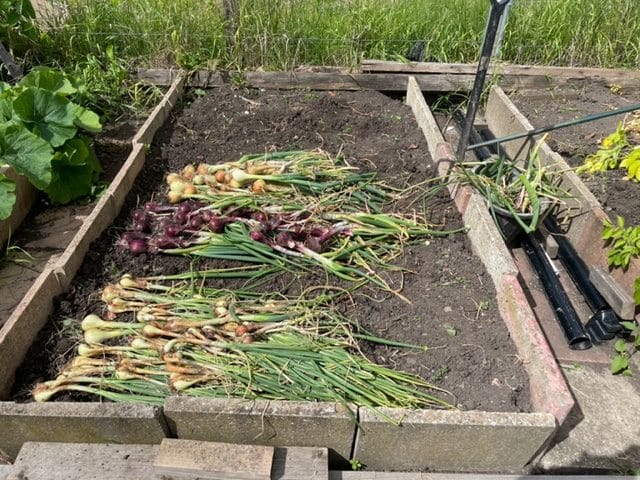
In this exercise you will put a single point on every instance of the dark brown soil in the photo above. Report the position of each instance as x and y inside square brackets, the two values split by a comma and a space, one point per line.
[453, 308]
[547, 107]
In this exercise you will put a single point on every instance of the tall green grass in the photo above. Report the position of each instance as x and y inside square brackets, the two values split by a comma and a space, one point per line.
[281, 34]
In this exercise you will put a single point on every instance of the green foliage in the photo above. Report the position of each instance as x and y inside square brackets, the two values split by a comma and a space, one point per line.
[610, 153]
[104, 86]
[282, 34]
[528, 189]
[616, 151]
[625, 349]
[39, 138]
[632, 163]
[7, 191]
[17, 28]
[624, 242]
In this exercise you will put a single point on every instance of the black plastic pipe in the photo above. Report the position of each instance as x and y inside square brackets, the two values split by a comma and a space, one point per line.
[604, 324]
[574, 332]
[576, 267]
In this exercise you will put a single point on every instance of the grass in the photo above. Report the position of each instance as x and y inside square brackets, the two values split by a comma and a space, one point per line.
[281, 34]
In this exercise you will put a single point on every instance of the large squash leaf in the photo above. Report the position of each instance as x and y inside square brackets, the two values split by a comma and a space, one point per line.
[46, 114]
[27, 153]
[48, 79]
[7, 196]
[87, 120]
[75, 169]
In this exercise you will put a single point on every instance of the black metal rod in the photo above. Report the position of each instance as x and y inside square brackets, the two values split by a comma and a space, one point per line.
[556, 126]
[568, 320]
[493, 24]
[483, 153]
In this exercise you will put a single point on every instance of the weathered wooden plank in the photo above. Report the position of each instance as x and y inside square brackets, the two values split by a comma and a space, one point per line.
[356, 81]
[608, 287]
[215, 460]
[611, 75]
[165, 77]
[300, 463]
[335, 79]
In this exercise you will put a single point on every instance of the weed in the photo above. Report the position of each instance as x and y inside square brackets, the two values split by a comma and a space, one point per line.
[440, 373]
[624, 243]
[281, 34]
[625, 349]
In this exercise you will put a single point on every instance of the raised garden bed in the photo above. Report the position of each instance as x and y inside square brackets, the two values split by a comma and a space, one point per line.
[585, 212]
[491, 380]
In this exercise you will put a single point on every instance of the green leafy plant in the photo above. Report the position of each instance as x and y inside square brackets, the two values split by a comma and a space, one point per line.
[609, 154]
[626, 348]
[17, 27]
[624, 243]
[632, 163]
[617, 151]
[40, 138]
[106, 88]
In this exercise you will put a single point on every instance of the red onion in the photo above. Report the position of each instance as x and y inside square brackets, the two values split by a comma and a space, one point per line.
[138, 246]
[283, 239]
[256, 236]
[217, 224]
[172, 230]
[196, 222]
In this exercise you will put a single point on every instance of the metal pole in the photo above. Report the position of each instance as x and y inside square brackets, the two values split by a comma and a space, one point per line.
[556, 126]
[501, 29]
[497, 8]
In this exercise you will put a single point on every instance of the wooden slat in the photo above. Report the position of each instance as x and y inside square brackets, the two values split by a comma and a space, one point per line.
[629, 78]
[355, 81]
[165, 77]
[338, 80]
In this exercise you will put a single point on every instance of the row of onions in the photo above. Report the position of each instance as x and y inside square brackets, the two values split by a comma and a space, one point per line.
[306, 211]
[277, 212]
[219, 343]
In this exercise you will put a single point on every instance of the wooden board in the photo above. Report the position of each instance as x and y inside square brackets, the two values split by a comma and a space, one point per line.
[339, 80]
[513, 74]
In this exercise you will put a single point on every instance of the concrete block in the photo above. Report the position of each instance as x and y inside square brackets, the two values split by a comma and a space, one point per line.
[193, 458]
[161, 112]
[23, 325]
[123, 182]
[262, 422]
[547, 386]
[487, 241]
[81, 461]
[79, 422]
[450, 440]
[300, 463]
[67, 265]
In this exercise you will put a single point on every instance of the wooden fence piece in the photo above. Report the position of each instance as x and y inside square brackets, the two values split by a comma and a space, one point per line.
[511, 73]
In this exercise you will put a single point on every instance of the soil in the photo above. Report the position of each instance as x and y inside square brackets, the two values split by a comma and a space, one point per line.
[453, 308]
[548, 106]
